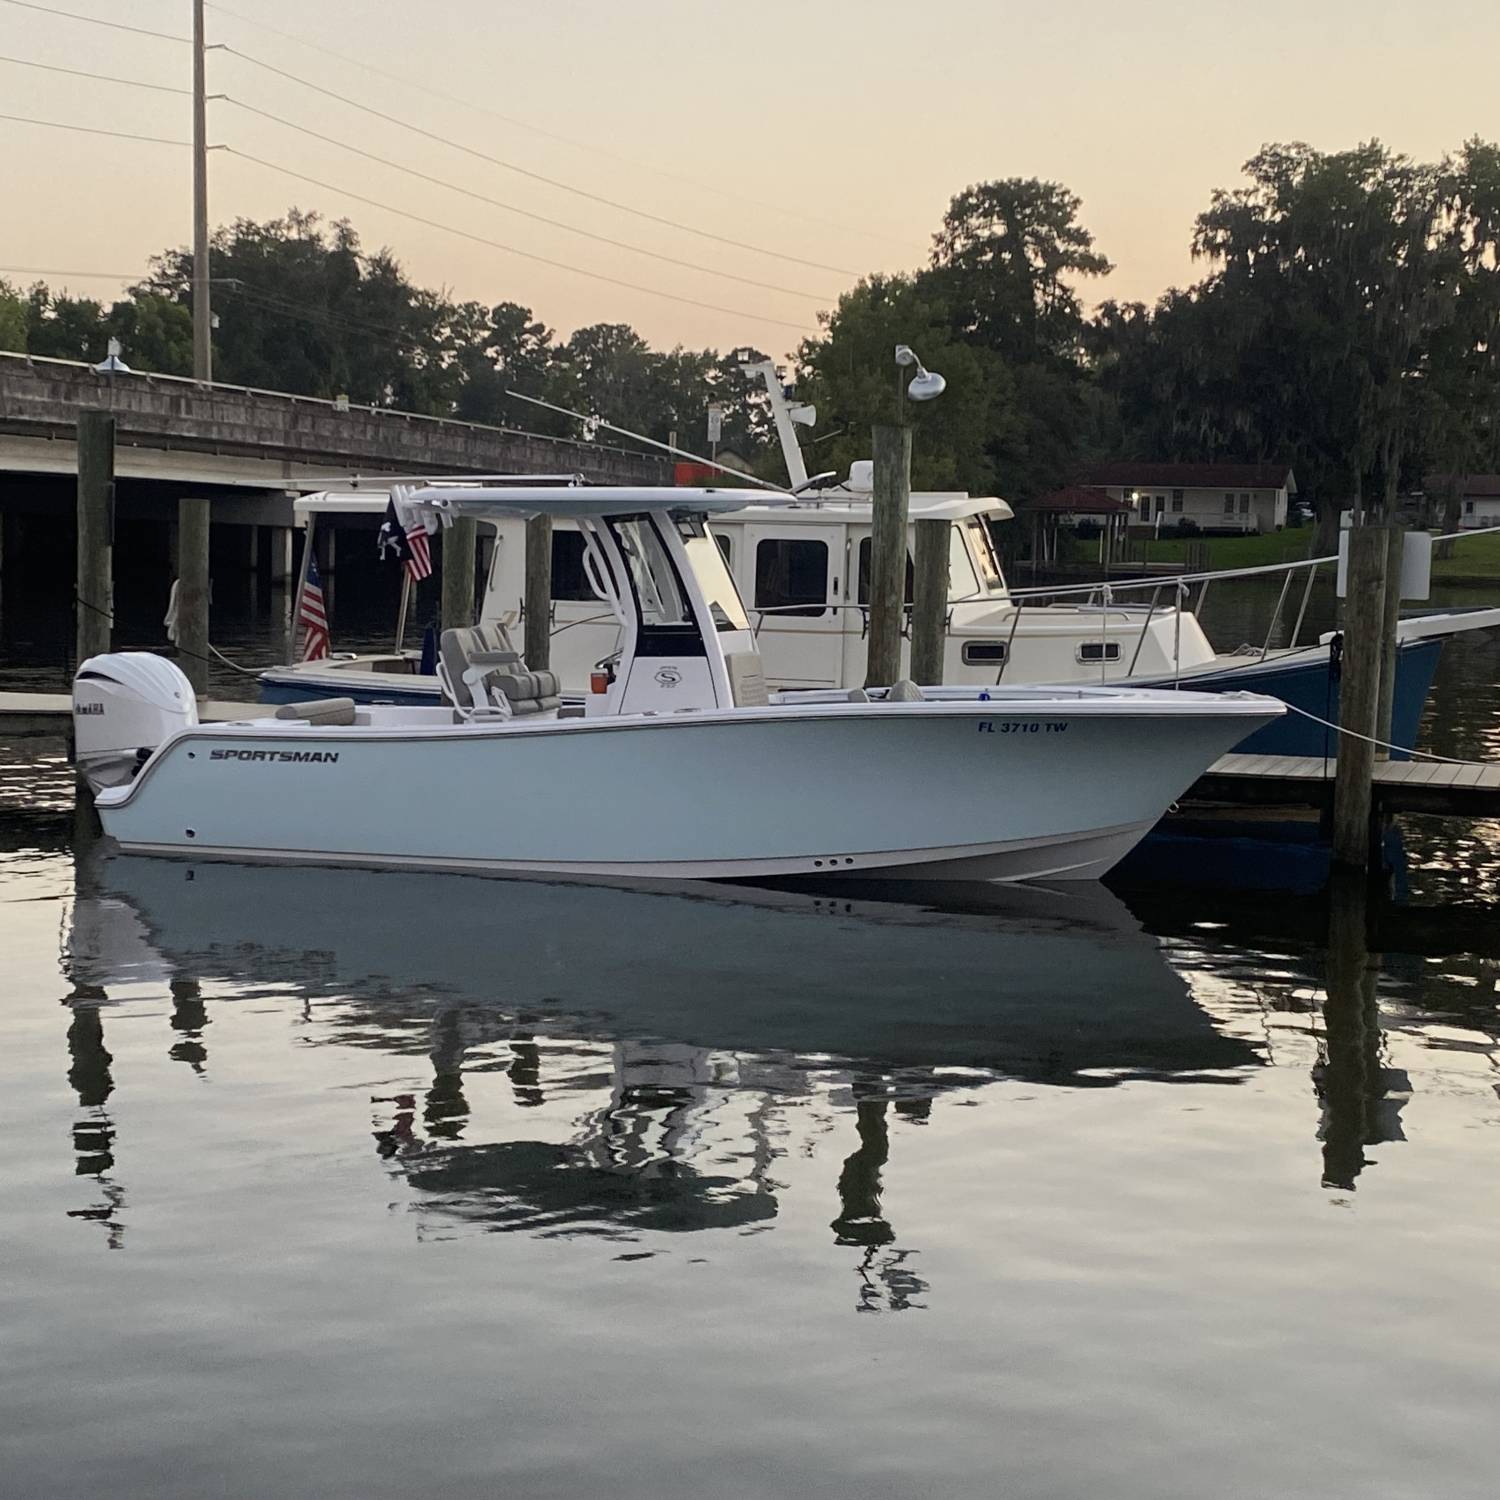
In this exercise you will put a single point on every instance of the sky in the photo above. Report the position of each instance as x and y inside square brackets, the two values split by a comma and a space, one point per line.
[826, 137]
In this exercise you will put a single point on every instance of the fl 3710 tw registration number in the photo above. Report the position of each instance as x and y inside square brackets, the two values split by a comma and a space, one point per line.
[1023, 726]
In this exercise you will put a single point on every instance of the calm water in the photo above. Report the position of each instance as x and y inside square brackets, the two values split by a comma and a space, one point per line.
[347, 1184]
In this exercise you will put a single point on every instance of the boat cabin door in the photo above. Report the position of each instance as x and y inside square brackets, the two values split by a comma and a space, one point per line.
[797, 582]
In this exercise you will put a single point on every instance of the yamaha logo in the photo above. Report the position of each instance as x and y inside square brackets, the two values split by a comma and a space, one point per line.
[668, 677]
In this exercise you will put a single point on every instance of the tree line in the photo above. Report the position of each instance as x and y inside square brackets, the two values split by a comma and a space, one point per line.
[1347, 323]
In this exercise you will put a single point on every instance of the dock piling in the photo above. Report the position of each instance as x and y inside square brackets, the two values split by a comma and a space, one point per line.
[96, 527]
[891, 500]
[538, 602]
[929, 607]
[459, 544]
[1359, 694]
[192, 591]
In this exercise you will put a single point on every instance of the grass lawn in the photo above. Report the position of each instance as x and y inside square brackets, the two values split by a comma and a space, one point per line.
[1473, 557]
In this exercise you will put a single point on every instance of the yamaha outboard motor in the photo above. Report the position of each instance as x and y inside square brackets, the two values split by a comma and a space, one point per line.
[124, 706]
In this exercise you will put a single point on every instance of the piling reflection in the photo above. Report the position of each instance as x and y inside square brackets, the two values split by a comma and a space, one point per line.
[1352, 1083]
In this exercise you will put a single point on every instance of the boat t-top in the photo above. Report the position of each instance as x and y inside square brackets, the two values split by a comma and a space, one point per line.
[678, 763]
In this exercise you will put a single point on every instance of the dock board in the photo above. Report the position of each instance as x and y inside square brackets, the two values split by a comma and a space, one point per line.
[1414, 786]
[29, 715]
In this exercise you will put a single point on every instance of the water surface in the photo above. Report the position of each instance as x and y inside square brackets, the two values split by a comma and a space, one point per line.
[344, 1184]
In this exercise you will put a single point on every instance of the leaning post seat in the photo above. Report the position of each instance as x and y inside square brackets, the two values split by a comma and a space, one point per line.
[319, 711]
[478, 678]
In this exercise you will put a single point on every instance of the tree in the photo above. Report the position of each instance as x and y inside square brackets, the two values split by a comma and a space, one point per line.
[1006, 256]
[12, 319]
[850, 374]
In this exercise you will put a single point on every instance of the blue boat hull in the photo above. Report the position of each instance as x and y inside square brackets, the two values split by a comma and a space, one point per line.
[1311, 686]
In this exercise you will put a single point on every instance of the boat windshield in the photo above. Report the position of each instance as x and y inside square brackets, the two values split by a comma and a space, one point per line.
[713, 576]
[651, 572]
[983, 548]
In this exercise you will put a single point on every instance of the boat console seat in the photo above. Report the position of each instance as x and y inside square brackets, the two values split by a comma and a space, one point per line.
[482, 675]
[332, 711]
[747, 679]
[905, 691]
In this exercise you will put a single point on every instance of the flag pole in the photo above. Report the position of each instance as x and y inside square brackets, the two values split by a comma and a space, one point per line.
[405, 606]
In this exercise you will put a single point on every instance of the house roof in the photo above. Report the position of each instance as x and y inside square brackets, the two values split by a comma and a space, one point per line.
[1079, 500]
[1470, 486]
[1193, 476]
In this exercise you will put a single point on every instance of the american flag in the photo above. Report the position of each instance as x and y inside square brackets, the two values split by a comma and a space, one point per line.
[313, 615]
[407, 541]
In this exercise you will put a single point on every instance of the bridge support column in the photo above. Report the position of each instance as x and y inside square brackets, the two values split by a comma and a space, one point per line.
[279, 556]
[192, 591]
[96, 533]
[252, 550]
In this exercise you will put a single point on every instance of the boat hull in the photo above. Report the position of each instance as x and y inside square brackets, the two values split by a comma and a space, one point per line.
[955, 791]
[1308, 683]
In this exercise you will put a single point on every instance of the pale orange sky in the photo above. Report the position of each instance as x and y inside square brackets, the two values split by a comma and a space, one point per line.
[858, 120]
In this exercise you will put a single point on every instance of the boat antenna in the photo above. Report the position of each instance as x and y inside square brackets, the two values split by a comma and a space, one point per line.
[591, 424]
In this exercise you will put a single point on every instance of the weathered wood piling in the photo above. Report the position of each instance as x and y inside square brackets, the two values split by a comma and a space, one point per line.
[538, 602]
[1359, 693]
[95, 603]
[459, 545]
[929, 608]
[192, 591]
[890, 504]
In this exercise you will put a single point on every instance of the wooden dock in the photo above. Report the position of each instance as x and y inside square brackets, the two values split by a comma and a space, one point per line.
[50, 715]
[1401, 786]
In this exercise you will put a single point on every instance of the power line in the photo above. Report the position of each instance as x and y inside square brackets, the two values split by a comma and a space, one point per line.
[480, 239]
[567, 140]
[526, 213]
[508, 166]
[119, 135]
[135, 83]
[79, 275]
[73, 15]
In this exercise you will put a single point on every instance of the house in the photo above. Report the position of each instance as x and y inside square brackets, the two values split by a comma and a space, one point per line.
[1479, 498]
[1213, 497]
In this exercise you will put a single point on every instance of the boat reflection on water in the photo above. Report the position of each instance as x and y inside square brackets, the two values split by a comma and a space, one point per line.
[590, 1059]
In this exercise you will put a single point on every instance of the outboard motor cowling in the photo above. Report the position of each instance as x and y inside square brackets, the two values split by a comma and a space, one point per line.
[125, 704]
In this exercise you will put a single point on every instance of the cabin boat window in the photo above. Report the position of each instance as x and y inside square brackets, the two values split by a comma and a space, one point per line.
[652, 575]
[1097, 651]
[864, 573]
[984, 551]
[791, 576]
[963, 582]
[710, 565]
[725, 547]
[569, 581]
[985, 653]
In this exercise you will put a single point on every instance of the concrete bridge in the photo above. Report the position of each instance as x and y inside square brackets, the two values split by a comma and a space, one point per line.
[246, 451]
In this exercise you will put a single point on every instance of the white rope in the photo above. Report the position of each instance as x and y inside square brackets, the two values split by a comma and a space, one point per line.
[1446, 760]
[234, 665]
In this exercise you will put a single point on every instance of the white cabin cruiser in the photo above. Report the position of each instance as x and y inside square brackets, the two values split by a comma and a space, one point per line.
[679, 764]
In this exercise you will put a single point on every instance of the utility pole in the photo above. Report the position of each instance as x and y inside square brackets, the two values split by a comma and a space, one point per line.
[203, 356]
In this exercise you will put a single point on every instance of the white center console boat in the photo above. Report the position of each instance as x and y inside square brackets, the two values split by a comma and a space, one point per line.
[679, 763]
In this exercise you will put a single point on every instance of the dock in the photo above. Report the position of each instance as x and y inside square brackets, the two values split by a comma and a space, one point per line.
[50, 715]
[1400, 786]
